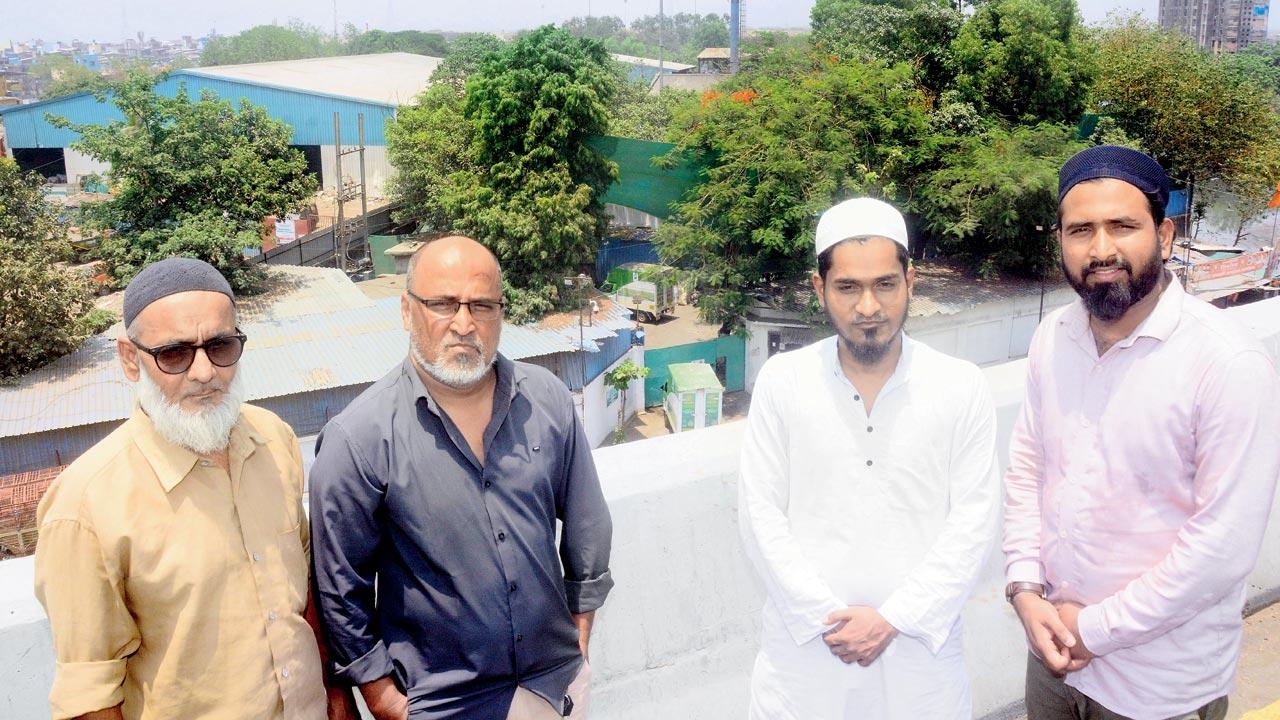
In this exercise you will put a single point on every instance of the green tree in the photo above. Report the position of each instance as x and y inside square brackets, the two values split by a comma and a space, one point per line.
[263, 43]
[381, 41]
[63, 76]
[1192, 111]
[596, 27]
[994, 200]
[919, 33]
[781, 151]
[1025, 60]
[522, 179]
[175, 159]
[620, 379]
[45, 309]
[1259, 63]
[429, 143]
[642, 116]
[466, 52]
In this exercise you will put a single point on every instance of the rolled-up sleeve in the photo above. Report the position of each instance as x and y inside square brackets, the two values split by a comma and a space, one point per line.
[587, 535]
[345, 499]
[93, 631]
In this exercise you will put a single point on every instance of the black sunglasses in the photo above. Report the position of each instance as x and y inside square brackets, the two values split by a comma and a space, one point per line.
[177, 358]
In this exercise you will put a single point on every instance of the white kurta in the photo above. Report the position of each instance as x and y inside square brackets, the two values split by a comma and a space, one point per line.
[895, 510]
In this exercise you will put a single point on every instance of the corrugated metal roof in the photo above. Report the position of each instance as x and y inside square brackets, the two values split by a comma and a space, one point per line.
[388, 78]
[650, 62]
[301, 338]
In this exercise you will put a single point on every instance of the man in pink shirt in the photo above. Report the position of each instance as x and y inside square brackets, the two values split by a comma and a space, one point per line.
[1142, 468]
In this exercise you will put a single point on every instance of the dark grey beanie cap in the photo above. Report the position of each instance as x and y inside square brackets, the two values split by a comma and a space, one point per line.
[169, 277]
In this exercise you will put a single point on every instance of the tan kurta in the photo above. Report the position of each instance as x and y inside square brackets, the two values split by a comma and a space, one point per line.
[175, 587]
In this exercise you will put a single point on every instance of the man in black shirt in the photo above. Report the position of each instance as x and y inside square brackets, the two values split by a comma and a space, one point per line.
[434, 501]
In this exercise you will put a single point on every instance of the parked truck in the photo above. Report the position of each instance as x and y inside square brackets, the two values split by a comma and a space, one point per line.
[644, 288]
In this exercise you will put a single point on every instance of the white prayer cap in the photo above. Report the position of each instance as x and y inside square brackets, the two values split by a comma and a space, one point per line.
[860, 217]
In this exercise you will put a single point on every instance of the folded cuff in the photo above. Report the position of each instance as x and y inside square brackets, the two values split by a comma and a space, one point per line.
[82, 687]
[587, 595]
[368, 667]
[1093, 631]
[1025, 571]
[905, 622]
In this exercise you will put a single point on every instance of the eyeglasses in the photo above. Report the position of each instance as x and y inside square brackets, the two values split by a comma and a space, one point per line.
[177, 358]
[448, 307]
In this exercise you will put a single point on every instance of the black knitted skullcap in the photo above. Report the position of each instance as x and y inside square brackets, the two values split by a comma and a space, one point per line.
[1121, 163]
[169, 277]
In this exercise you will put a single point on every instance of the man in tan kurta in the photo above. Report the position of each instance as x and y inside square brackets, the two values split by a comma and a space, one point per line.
[173, 555]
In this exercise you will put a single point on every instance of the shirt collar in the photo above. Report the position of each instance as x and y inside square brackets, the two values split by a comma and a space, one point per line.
[170, 462]
[1159, 325]
[901, 373]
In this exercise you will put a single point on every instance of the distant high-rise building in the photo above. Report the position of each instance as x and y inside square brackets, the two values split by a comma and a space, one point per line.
[1217, 25]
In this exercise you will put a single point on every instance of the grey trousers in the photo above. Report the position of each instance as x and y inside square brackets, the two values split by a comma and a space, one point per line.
[1049, 698]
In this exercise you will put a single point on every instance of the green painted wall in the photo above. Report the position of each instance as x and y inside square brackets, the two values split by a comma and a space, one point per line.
[731, 347]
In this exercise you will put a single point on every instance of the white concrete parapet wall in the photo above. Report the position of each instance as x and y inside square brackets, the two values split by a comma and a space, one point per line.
[678, 635]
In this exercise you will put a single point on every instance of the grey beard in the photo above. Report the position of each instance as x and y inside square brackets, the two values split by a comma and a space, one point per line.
[458, 376]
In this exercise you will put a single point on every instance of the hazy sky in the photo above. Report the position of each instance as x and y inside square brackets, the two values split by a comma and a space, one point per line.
[109, 20]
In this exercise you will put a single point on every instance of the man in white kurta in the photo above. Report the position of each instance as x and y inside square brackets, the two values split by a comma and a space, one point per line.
[866, 508]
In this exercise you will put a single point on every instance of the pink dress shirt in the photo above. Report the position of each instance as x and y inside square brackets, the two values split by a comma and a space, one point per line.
[1139, 485]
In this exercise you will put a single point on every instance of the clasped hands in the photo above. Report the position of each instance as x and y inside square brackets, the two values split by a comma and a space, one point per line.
[860, 634]
[1053, 632]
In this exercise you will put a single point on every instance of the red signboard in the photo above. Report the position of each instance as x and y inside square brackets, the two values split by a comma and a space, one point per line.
[1238, 265]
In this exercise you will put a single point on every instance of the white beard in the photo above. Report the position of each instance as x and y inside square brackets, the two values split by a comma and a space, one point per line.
[459, 374]
[202, 433]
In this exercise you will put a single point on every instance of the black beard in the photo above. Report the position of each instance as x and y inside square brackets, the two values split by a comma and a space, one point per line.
[1110, 301]
[867, 351]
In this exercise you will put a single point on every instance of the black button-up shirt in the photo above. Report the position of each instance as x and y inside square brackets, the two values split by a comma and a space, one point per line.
[443, 571]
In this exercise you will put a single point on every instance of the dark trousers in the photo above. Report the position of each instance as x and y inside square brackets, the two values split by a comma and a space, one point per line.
[1050, 698]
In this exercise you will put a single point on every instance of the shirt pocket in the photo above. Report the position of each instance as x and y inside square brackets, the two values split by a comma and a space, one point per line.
[296, 567]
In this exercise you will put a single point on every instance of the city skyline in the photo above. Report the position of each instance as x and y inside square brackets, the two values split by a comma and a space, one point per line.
[69, 20]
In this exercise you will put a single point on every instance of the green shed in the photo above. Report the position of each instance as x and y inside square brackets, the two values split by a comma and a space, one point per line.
[694, 396]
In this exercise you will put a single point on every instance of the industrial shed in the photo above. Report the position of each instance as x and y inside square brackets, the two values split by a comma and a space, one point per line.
[303, 93]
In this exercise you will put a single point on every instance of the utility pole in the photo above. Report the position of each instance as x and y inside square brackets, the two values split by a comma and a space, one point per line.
[661, 66]
[735, 28]
[342, 192]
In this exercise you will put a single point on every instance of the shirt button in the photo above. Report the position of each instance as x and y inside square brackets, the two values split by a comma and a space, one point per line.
[519, 638]
[271, 616]
[868, 428]
[1062, 534]
[204, 463]
[284, 673]
[868, 463]
[502, 537]
[857, 397]
[487, 483]
[513, 587]
[257, 557]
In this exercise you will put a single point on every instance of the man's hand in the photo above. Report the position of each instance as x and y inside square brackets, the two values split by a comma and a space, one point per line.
[1069, 613]
[342, 706]
[583, 621]
[385, 700]
[860, 634]
[1048, 638]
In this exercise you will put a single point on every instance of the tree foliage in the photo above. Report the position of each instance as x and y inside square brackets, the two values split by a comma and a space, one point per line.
[994, 200]
[264, 43]
[176, 160]
[1026, 61]
[63, 76]
[417, 42]
[681, 36]
[620, 379]
[782, 150]
[505, 160]
[466, 52]
[45, 310]
[642, 116]
[919, 33]
[1192, 111]
[1259, 63]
